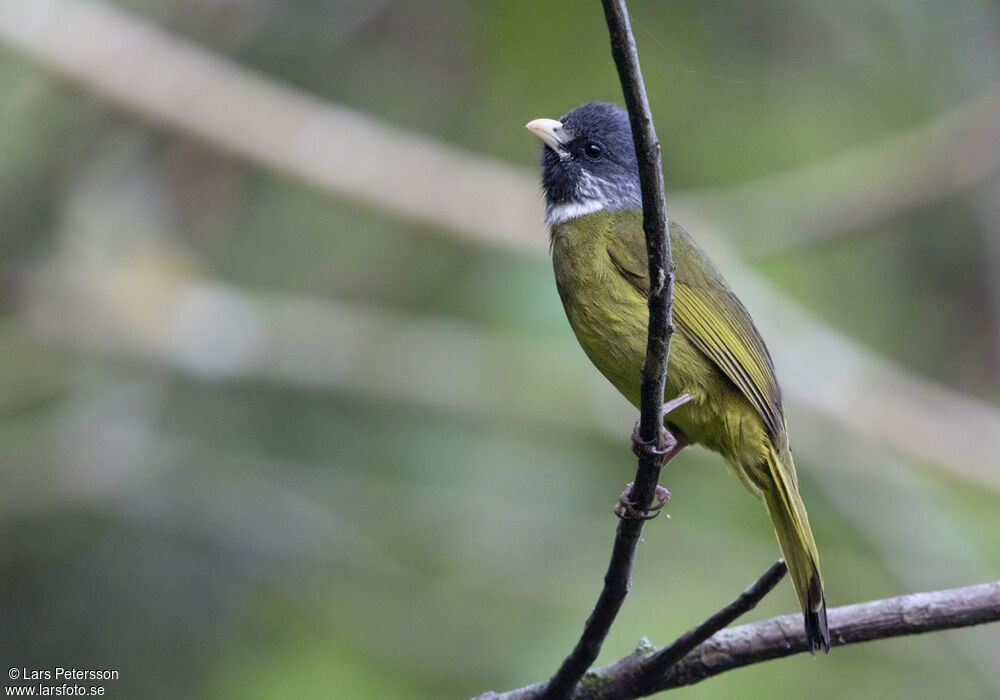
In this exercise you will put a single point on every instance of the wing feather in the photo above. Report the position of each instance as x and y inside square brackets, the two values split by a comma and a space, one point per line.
[707, 312]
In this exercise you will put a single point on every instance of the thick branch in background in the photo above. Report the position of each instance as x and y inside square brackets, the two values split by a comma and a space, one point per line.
[181, 85]
[859, 188]
[654, 370]
[783, 636]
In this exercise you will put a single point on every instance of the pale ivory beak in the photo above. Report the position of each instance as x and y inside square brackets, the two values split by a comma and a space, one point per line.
[550, 132]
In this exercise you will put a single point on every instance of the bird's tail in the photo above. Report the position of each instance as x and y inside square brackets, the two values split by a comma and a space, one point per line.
[791, 524]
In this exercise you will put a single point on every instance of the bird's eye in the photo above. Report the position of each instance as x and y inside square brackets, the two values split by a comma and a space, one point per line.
[593, 151]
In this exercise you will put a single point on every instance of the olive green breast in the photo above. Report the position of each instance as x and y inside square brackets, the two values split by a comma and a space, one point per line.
[609, 316]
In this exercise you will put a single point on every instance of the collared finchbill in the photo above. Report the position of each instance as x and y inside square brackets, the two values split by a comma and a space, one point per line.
[550, 132]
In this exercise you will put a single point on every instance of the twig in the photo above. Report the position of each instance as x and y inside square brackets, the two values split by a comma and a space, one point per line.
[640, 680]
[782, 636]
[661, 661]
[654, 371]
[654, 224]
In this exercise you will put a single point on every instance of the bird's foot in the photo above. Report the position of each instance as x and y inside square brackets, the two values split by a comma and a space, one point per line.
[625, 509]
[670, 444]
[650, 448]
[660, 455]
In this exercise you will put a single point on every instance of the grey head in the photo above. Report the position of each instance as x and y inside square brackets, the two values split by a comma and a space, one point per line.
[588, 162]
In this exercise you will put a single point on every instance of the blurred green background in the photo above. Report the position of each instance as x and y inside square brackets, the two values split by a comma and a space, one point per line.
[262, 437]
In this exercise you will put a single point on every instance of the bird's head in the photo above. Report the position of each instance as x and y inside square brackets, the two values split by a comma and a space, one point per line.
[588, 162]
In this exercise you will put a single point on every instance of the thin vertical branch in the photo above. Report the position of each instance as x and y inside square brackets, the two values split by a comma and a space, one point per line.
[651, 435]
[654, 224]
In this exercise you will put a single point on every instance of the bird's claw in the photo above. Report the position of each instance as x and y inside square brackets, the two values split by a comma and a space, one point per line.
[625, 510]
[649, 448]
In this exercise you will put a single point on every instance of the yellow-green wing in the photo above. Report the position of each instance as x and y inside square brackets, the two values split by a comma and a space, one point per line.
[706, 311]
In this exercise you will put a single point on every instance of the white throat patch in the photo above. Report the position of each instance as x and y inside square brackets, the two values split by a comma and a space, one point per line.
[590, 190]
[594, 194]
[561, 213]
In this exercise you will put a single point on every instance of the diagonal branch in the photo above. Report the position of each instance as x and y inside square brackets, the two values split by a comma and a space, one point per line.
[651, 434]
[782, 636]
[658, 663]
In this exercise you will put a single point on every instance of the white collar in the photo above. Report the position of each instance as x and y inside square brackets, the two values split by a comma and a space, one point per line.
[561, 213]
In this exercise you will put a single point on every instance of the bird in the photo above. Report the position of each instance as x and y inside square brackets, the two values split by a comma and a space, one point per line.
[593, 209]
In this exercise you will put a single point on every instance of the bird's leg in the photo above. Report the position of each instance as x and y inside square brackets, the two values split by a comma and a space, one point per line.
[624, 508]
[675, 402]
[671, 446]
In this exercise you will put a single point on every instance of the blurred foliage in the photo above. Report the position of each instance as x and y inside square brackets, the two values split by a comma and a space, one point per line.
[243, 537]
